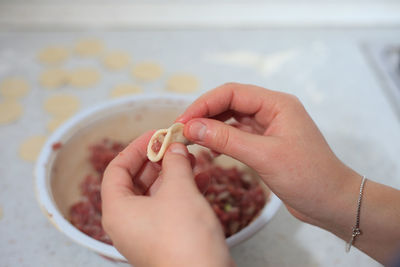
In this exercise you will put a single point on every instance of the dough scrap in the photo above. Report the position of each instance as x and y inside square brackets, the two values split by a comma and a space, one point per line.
[30, 148]
[116, 60]
[183, 83]
[84, 77]
[53, 78]
[171, 135]
[89, 47]
[10, 111]
[53, 55]
[124, 90]
[14, 87]
[147, 71]
[56, 122]
[62, 105]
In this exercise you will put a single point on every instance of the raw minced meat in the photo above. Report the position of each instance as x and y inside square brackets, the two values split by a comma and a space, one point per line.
[236, 196]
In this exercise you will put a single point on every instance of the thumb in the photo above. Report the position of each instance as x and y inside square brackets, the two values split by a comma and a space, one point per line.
[177, 172]
[248, 148]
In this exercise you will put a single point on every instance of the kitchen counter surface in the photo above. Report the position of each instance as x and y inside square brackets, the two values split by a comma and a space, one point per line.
[327, 69]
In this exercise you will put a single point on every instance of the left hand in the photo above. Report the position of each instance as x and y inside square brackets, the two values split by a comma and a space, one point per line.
[171, 226]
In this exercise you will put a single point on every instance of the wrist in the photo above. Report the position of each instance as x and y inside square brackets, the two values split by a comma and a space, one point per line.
[206, 249]
[337, 212]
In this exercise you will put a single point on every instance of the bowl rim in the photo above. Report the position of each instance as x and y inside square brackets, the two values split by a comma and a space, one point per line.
[49, 207]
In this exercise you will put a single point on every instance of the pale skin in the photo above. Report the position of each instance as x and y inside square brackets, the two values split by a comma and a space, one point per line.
[275, 136]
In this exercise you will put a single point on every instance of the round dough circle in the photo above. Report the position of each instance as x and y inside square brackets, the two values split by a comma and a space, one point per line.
[61, 105]
[14, 87]
[53, 78]
[147, 71]
[30, 148]
[84, 77]
[89, 47]
[56, 122]
[124, 90]
[183, 83]
[53, 55]
[10, 111]
[116, 60]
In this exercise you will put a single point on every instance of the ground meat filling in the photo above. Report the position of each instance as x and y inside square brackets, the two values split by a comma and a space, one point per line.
[156, 146]
[86, 214]
[235, 196]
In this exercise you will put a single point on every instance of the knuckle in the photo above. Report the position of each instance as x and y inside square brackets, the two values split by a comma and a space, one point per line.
[229, 84]
[291, 100]
[222, 139]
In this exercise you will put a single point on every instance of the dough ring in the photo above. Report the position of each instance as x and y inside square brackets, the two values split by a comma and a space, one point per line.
[162, 138]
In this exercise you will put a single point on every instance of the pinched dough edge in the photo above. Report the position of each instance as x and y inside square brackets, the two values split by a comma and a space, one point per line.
[173, 134]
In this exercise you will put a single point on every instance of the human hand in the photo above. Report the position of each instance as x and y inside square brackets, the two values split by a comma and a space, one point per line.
[275, 136]
[171, 226]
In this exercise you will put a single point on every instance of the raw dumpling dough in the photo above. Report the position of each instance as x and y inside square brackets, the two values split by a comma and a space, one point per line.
[183, 83]
[53, 55]
[10, 111]
[116, 60]
[89, 47]
[61, 105]
[14, 87]
[30, 148]
[147, 71]
[165, 136]
[53, 78]
[84, 77]
[124, 90]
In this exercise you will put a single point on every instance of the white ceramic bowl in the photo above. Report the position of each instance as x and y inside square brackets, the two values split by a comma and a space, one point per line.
[58, 173]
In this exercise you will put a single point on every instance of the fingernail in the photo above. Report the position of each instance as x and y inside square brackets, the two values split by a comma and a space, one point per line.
[178, 149]
[197, 130]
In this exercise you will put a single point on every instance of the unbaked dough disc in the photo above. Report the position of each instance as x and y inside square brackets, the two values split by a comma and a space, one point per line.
[1, 213]
[84, 77]
[10, 111]
[53, 55]
[53, 78]
[30, 148]
[14, 87]
[124, 90]
[147, 71]
[116, 60]
[56, 122]
[89, 47]
[61, 105]
[183, 83]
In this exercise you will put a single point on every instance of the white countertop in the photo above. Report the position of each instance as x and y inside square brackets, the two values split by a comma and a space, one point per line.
[325, 68]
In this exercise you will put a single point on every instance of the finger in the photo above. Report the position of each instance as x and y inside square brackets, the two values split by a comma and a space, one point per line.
[177, 172]
[192, 159]
[117, 179]
[250, 122]
[224, 116]
[246, 99]
[155, 186]
[248, 148]
[146, 176]
[243, 127]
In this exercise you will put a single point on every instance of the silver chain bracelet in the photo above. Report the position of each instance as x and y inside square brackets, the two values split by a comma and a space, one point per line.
[356, 229]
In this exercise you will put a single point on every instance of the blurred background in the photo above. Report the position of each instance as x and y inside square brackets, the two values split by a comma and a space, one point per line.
[341, 58]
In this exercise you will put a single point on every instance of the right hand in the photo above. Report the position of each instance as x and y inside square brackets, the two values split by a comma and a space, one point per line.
[274, 135]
